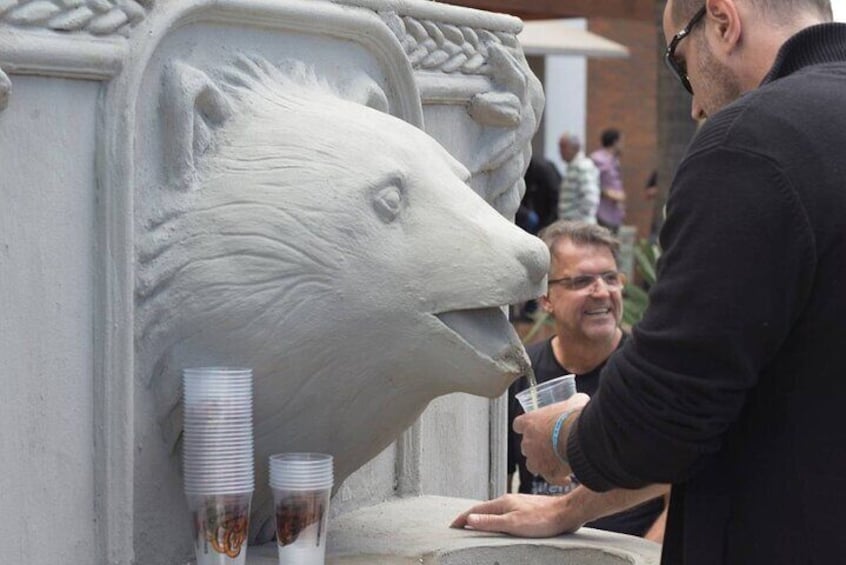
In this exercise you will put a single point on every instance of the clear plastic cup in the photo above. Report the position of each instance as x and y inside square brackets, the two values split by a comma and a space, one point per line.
[216, 393]
[218, 472]
[226, 401]
[222, 470]
[222, 397]
[218, 444]
[206, 372]
[221, 416]
[302, 485]
[245, 477]
[217, 454]
[548, 392]
[221, 527]
[211, 436]
[220, 487]
[230, 425]
[211, 386]
[220, 484]
[219, 441]
[220, 454]
[213, 453]
[222, 424]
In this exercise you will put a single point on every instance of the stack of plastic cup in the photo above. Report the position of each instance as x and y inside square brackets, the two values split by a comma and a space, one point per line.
[217, 457]
[302, 484]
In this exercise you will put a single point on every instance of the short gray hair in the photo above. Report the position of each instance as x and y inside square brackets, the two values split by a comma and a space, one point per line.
[580, 233]
[572, 139]
[781, 11]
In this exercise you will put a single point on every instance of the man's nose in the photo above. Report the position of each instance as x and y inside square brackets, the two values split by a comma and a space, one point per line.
[600, 287]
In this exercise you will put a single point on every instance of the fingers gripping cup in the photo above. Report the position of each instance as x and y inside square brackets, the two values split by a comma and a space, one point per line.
[217, 461]
[302, 484]
[548, 392]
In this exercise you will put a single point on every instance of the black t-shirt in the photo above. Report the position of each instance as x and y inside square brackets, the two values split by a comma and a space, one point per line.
[635, 521]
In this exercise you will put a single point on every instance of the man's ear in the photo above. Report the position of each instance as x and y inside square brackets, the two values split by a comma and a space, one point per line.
[544, 303]
[727, 24]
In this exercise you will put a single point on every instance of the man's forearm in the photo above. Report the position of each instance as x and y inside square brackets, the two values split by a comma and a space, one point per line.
[583, 505]
[614, 194]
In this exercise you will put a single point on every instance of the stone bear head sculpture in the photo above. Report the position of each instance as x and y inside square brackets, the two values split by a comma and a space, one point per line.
[331, 247]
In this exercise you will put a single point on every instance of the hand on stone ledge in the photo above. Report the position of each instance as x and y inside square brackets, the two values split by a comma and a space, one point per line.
[523, 515]
[540, 516]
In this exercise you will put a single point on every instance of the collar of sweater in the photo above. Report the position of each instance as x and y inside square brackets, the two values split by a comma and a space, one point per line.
[822, 43]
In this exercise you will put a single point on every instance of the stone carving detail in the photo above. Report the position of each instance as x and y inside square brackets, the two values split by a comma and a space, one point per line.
[511, 111]
[292, 237]
[97, 17]
[444, 47]
[5, 90]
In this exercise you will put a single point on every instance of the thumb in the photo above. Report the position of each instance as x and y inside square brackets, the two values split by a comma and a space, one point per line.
[488, 522]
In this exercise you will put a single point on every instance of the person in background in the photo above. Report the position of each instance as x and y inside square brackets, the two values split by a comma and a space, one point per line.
[652, 193]
[585, 300]
[731, 386]
[612, 198]
[538, 208]
[578, 197]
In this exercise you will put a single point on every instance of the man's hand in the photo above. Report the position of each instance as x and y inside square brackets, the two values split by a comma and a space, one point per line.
[523, 515]
[540, 516]
[536, 428]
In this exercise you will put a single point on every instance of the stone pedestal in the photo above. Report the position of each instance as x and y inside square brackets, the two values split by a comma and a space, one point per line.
[416, 530]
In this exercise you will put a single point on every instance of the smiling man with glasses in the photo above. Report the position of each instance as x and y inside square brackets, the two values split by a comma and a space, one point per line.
[585, 301]
[732, 388]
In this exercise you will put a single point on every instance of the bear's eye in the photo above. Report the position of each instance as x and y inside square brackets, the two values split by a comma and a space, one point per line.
[388, 202]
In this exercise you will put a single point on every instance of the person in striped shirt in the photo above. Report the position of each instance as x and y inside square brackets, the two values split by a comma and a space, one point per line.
[578, 196]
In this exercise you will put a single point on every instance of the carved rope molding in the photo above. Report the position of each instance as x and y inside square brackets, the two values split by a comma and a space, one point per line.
[443, 47]
[97, 17]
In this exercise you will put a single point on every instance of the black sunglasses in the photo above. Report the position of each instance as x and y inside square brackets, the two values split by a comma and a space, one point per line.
[670, 54]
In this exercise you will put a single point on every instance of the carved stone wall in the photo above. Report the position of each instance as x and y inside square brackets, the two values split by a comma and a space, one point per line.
[125, 140]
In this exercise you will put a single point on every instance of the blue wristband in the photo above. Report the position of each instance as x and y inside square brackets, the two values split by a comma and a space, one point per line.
[556, 431]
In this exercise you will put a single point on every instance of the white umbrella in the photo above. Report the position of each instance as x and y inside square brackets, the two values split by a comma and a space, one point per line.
[559, 37]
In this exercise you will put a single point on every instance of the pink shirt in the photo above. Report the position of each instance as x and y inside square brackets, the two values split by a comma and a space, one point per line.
[610, 212]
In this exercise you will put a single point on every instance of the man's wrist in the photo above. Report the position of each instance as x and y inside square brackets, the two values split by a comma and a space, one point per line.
[562, 430]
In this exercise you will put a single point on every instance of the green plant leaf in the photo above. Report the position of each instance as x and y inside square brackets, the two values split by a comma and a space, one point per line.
[542, 319]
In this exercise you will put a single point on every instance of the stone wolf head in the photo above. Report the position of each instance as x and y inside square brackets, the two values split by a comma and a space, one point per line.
[331, 247]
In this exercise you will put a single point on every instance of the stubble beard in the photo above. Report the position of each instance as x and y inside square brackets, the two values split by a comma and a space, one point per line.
[721, 87]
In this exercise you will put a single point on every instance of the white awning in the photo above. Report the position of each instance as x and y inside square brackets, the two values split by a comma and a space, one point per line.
[559, 37]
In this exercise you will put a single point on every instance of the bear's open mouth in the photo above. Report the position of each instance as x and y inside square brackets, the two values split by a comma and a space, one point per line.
[489, 333]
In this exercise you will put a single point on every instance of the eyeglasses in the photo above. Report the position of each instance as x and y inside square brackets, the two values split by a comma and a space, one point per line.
[612, 280]
[677, 68]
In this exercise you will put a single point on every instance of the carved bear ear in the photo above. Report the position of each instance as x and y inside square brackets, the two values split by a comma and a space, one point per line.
[366, 91]
[192, 105]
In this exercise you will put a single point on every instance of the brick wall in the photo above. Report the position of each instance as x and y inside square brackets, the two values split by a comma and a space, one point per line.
[622, 93]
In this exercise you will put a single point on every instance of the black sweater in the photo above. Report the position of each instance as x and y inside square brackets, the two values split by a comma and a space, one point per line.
[733, 387]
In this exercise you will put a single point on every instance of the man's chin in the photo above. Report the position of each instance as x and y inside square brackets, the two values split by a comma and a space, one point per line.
[600, 332]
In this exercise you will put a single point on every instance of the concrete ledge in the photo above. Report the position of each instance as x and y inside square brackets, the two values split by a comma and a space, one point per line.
[416, 531]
